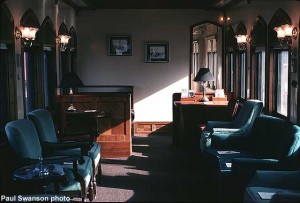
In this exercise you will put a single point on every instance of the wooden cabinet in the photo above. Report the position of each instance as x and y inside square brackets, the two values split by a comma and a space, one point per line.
[188, 114]
[114, 128]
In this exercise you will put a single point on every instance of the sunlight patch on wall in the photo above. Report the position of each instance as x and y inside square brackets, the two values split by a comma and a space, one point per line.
[158, 106]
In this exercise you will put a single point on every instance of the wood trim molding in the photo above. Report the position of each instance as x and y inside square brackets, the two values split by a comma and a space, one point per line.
[150, 127]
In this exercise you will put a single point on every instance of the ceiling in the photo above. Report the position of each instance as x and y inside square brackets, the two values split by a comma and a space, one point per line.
[150, 4]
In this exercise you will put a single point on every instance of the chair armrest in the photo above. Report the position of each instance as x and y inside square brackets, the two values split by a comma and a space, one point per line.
[81, 133]
[91, 134]
[53, 160]
[61, 159]
[286, 197]
[284, 179]
[217, 124]
[253, 164]
[228, 140]
[226, 130]
[244, 168]
[50, 146]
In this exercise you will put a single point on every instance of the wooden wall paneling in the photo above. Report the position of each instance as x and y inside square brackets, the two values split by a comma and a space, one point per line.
[114, 129]
[146, 128]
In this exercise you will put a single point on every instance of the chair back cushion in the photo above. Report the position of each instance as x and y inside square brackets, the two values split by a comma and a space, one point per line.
[44, 125]
[275, 138]
[247, 115]
[23, 138]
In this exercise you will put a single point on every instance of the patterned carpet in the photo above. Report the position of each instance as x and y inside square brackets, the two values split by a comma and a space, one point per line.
[157, 171]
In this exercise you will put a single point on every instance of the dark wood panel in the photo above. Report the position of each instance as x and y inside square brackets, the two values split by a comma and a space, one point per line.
[114, 128]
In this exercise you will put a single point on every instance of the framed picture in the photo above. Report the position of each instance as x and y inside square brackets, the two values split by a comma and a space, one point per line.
[157, 52]
[119, 45]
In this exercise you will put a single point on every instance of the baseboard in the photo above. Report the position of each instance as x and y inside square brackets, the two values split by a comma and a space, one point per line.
[150, 127]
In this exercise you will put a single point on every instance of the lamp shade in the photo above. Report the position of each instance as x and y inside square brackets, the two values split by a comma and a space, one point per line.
[203, 75]
[70, 79]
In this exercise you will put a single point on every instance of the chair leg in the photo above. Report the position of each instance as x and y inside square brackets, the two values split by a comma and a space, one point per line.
[91, 192]
[99, 174]
[95, 189]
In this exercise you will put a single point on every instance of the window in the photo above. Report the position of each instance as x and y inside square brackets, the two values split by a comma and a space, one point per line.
[47, 66]
[282, 82]
[212, 61]
[242, 76]
[260, 75]
[32, 86]
[4, 114]
[230, 58]
[29, 83]
[195, 57]
[49, 78]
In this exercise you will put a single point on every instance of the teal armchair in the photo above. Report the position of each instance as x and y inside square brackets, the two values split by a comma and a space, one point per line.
[23, 138]
[47, 133]
[220, 134]
[273, 144]
[283, 186]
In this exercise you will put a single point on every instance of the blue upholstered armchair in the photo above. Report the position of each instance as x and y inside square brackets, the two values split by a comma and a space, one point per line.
[220, 134]
[24, 140]
[281, 186]
[43, 122]
[273, 144]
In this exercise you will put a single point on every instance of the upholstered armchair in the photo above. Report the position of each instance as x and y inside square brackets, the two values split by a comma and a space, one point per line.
[231, 112]
[279, 186]
[24, 140]
[219, 134]
[43, 122]
[273, 144]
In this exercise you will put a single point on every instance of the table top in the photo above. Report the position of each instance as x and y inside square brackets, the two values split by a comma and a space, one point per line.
[209, 103]
[87, 113]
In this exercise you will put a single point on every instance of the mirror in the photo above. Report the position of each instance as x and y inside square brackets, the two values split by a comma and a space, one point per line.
[207, 52]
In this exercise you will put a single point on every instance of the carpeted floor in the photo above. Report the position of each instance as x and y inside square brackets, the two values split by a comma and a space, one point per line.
[157, 171]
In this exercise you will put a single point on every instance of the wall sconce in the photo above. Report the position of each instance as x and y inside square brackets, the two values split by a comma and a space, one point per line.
[27, 34]
[242, 41]
[285, 34]
[63, 40]
[222, 18]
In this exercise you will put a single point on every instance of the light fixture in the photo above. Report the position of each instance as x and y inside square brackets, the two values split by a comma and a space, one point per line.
[71, 80]
[285, 34]
[204, 75]
[63, 40]
[222, 18]
[242, 41]
[27, 34]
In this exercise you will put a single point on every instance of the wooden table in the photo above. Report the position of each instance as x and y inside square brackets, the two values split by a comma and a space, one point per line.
[188, 115]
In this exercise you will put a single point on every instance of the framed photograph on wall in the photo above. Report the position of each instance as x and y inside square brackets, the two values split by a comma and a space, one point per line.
[119, 45]
[157, 52]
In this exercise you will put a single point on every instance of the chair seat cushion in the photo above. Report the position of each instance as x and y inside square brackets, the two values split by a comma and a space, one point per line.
[85, 170]
[72, 186]
[251, 193]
